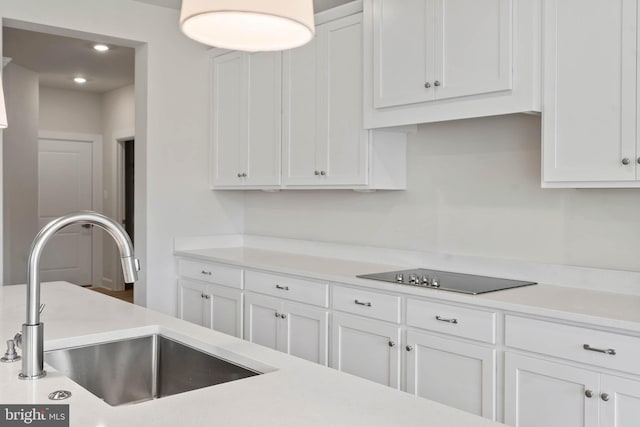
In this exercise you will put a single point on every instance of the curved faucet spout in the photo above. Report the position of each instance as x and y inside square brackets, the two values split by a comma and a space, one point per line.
[32, 361]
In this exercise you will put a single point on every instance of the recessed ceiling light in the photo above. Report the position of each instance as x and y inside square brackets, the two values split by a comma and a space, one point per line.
[101, 47]
[80, 80]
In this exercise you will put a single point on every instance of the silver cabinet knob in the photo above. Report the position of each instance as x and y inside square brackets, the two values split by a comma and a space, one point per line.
[605, 397]
[323, 173]
[427, 85]
[239, 175]
[392, 343]
[436, 83]
[283, 316]
[409, 347]
[316, 173]
[639, 160]
[588, 393]
[625, 161]
[207, 296]
[277, 314]
[205, 272]
[244, 175]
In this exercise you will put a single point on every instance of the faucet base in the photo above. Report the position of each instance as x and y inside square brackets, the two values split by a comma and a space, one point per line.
[32, 352]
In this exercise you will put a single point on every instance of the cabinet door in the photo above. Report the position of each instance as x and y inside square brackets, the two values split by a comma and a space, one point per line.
[192, 305]
[622, 409]
[225, 310]
[261, 320]
[540, 393]
[229, 122]
[300, 121]
[366, 348]
[343, 142]
[403, 51]
[264, 119]
[305, 331]
[589, 100]
[473, 51]
[452, 372]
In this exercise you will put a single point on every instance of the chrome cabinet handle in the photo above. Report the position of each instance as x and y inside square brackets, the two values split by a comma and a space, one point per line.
[284, 288]
[605, 397]
[588, 393]
[625, 161]
[316, 173]
[366, 304]
[244, 175]
[323, 173]
[277, 314]
[392, 343]
[610, 351]
[442, 319]
[427, 85]
[208, 273]
[409, 347]
[239, 175]
[436, 83]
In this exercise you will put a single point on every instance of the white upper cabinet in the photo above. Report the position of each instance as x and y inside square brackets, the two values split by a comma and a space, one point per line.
[443, 51]
[246, 131]
[590, 90]
[435, 60]
[324, 142]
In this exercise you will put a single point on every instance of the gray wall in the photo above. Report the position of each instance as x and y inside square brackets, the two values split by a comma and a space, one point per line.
[473, 189]
[20, 171]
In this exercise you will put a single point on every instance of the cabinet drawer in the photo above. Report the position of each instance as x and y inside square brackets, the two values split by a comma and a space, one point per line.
[212, 273]
[295, 289]
[459, 321]
[618, 351]
[365, 303]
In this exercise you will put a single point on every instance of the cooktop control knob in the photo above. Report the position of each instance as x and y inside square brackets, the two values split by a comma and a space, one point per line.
[435, 283]
[399, 277]
[413, 279]
[425, 281]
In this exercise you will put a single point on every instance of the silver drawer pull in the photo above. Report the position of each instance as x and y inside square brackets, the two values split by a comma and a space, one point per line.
[366, 304]
[442, 319]
[208, 273]
[284, 288]
[600, 350]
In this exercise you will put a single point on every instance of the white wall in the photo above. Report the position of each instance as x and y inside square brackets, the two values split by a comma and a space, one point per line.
[473, 189]
[118, 122]
[20, 171]
[70, 111]
[173, 198]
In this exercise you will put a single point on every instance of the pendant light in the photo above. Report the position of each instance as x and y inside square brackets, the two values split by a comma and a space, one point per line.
[249, 25]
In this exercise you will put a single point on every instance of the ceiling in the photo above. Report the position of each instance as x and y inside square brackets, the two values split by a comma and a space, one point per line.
[318, 5]
[59, 59]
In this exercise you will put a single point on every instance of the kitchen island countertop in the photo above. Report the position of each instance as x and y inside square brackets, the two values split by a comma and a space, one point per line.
[297, 393]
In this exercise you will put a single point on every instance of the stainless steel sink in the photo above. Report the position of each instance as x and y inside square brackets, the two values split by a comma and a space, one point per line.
[143, 368]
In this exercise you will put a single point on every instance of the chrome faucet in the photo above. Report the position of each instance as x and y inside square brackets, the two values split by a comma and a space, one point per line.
[32, 331]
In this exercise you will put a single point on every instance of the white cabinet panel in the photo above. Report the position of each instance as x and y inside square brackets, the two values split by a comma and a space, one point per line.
[366, 348]
[452, 372]
[622, 407]
[192, 305]
[589, 121]
[473, 52]
[296, 329]
[540, 393]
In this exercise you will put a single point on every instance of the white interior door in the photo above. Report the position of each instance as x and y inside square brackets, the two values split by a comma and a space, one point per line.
[65, 184]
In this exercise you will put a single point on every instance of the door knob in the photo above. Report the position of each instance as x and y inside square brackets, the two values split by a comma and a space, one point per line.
[436, 83]
[409, 348]
[625, 161]
[588, 393]
[605, 397]
[427, 85]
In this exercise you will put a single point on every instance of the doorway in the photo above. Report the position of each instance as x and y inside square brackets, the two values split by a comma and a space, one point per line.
[126, 174]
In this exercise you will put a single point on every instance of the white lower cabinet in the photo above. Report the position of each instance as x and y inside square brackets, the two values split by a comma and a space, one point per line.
[545, 393]
[213, 306]
[453, 372]
[298, 329]
[366, 348]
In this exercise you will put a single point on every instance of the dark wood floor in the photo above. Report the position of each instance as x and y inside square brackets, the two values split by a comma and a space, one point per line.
[126, 295]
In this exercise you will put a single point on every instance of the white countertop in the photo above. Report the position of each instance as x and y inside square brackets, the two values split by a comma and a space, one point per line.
[298, 393]
[597, 308]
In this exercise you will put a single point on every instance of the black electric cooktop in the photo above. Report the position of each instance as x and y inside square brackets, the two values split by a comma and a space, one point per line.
[447, 281]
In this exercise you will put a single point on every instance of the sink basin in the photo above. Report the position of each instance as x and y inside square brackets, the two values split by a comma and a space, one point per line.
[143, 368]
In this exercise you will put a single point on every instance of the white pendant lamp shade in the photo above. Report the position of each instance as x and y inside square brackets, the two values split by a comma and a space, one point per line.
[250, 25]
[3, 109]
